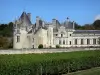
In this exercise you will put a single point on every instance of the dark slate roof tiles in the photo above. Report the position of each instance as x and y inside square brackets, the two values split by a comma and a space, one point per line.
[86, 32]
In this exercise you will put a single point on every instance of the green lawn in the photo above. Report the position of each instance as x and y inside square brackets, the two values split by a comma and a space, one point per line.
[93, 71]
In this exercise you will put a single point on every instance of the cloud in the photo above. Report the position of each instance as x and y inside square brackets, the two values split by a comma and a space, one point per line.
[97, 17]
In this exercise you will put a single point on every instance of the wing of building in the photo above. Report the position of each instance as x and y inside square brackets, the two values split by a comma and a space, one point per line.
[28, 35]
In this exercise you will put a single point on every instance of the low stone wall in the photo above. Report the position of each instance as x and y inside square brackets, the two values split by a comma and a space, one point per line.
[27, 51]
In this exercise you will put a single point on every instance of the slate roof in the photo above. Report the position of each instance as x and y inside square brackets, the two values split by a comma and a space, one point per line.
[86, 32]
[68, 25]
[39, 29]
[25, 19]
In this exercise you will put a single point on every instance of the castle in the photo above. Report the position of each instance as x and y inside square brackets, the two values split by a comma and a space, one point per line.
[28, 35]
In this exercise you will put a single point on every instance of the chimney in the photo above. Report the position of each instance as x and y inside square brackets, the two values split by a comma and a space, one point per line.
[54, 21]
[37, 21]
[29, 15]
[73, 24]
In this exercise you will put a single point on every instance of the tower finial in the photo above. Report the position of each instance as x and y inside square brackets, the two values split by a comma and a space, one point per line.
[68, 19]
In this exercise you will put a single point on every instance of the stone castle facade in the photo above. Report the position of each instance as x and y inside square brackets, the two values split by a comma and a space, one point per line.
[28, 35]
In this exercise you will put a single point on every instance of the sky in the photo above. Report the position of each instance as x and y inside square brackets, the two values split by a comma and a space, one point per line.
[80, 11]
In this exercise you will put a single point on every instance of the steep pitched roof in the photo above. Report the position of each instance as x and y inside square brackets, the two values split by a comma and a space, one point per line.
[25, 19]
[68, 25]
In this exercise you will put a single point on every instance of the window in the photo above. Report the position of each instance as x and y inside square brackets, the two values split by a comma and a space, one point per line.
[88, 41]
[61, 35]
[94, 41]
[63, 41]
[18, 38]
[75, 41]
[70, 42]
[81, 41]
[59, 41]
[18, 31]
[70, 34]
[56, 34]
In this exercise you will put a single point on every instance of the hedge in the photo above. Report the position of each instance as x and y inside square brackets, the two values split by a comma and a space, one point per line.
[48, 64]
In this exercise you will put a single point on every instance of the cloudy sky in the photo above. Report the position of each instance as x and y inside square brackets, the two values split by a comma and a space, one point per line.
[81, 11]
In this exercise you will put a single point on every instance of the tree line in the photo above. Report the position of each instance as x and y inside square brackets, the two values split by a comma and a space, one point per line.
[6, 34]
[94, 26]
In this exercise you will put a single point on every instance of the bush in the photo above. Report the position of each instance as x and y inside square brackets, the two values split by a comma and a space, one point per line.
[57, 46]
[48, 64]
[40, 46]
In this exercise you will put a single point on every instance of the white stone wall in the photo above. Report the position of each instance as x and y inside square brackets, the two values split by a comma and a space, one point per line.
[40, 38]
[24, 40]
[85, 41]
[50, 36]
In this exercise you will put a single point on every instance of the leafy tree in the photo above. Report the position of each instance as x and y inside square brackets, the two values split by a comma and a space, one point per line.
[6, 29]
[4, 43]
[96, 24]
[88, 27]
[40, 46]
[57, 46]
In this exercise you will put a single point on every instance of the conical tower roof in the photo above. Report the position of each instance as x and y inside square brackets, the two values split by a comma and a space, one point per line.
[25, 21]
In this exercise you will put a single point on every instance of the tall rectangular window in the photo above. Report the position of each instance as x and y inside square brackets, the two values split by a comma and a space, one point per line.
[81, 41]
[59, 41]
[88, 41]
[61, 35]
[94, 41]
[75, 41]
[70, 42]
[18, 38]
[64, 42]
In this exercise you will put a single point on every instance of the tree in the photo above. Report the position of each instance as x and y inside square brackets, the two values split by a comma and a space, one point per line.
[4, 43]
[96, 24]
[6, 29]
[88, 27]
[40, 46]
[57, 46]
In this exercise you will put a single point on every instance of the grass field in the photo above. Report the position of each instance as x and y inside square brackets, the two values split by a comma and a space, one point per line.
[93, 71]
[48, 56]
[48, 63]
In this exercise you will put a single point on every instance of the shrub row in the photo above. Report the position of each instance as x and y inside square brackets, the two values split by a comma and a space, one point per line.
[9, 66]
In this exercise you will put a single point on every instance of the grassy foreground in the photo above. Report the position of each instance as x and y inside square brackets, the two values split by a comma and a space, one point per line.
[48, 64]
[93, 71]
